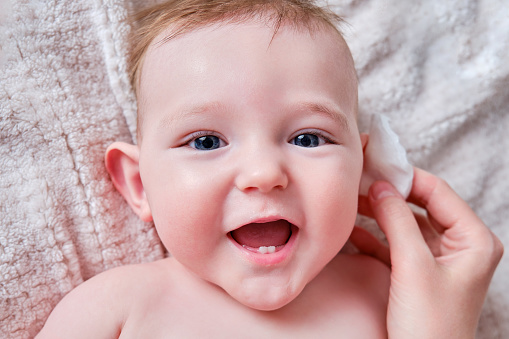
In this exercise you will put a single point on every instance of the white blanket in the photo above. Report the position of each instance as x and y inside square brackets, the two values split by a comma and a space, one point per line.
[439, 70]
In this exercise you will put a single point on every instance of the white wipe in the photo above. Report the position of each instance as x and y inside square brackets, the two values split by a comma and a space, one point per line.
[385, 158]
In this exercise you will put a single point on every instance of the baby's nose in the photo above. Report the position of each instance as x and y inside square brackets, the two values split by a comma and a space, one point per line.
[263, 171]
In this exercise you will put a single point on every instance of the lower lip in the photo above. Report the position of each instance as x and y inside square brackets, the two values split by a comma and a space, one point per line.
[269, 259]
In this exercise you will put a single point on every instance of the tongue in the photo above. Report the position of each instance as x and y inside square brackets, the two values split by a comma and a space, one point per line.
[273, 233]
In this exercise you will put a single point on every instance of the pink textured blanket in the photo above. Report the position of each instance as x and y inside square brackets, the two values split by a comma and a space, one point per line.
[438, 69]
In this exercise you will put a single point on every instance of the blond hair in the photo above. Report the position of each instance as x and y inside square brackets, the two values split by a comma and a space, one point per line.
[188, 15]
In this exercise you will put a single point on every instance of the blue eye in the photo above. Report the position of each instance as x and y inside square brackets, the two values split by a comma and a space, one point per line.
[307, 140]
[206, 143]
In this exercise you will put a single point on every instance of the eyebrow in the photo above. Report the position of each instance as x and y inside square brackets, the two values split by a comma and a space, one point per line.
[190, 111]
[326, 110]
[317, 108]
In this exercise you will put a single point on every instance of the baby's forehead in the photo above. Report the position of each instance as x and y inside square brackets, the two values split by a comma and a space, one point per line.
[211, 42]
[173, 39]
[165, 25]
[224, 53]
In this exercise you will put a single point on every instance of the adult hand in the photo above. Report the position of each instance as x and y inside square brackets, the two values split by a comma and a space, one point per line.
[441, 264]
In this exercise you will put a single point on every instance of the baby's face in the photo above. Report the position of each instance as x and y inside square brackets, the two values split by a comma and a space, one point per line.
[251, 157]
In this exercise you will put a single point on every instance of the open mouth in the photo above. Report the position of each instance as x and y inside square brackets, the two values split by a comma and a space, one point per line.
[264, 238]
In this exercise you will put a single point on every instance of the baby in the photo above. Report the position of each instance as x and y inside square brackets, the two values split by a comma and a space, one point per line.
[249, 161]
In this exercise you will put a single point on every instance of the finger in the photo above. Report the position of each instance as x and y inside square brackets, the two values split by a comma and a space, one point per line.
[445, 207]
[463, 229]
[368, 244]
[397, 221]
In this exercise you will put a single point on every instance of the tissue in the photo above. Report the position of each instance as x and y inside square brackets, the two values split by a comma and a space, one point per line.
[385, 158]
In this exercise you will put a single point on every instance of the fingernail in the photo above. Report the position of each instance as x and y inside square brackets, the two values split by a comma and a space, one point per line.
[382, 189]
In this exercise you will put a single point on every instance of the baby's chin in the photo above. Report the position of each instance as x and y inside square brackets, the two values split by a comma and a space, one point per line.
[266, 296]
[265, 302]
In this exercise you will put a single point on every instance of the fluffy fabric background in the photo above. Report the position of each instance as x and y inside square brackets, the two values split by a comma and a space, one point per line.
[437, 68]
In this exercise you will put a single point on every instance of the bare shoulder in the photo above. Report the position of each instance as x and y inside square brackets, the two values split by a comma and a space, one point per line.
[99, 307]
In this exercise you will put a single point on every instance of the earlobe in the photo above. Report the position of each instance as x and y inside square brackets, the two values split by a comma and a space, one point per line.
[122, 163]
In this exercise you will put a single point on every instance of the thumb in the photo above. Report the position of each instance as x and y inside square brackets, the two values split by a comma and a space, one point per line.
[397, 221]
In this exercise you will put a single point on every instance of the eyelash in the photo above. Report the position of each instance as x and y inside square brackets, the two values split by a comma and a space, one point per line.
[199, 134]
[327, 139]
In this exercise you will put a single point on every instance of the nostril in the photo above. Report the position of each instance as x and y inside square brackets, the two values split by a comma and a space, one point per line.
[264, 179]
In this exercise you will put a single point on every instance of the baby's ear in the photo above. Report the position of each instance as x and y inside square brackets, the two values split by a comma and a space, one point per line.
[364, 140]
[122, 163]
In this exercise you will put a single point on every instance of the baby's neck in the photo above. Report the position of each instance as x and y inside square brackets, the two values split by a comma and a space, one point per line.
[334, 302]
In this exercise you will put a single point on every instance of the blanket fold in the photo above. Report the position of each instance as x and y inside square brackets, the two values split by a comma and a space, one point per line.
[61, 219]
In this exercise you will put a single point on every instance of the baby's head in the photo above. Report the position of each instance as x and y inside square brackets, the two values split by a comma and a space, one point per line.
[249, 157]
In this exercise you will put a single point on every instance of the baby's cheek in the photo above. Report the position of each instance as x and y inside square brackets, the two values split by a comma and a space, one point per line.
[338, 199]
[186, 226]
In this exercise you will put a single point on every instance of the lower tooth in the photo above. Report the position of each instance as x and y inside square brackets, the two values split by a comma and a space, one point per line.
[266, 249]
